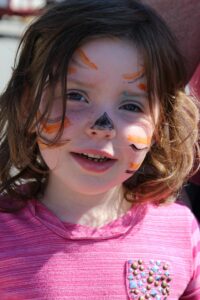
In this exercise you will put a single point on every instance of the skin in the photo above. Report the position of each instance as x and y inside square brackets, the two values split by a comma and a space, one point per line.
[132, 168]
[139, 140]
[104, 111]
[72, 70]
[53, 127]
[132, 77]
[142, 86]
[86, 60]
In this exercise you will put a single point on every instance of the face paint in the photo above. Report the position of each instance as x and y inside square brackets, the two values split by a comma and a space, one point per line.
[133, 167]
[114, 58]
[72, 70]
[49, 127]
[53, 127]
[85, 60]
[136, 148]
[133, 76]
[140, 145]
[102, 123]
[144, 141]
[142, 87]
[44, 145]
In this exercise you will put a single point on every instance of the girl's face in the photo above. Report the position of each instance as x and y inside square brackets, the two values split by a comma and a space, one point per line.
[108, 128]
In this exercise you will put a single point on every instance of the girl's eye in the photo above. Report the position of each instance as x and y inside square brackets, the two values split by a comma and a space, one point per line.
[131, 107]
[75, 96]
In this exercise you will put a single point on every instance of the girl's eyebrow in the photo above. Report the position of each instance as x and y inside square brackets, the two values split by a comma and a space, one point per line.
[81, 83]
[134, 94]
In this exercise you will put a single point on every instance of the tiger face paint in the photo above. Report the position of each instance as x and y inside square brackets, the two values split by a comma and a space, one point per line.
[49, 127]
[110, 126]
[142, 86]
[85, 60]
[103, 123]
[72, 70]
[132, 77]
[133, 167]
[140, 140]
[50, 152]
[52, 126]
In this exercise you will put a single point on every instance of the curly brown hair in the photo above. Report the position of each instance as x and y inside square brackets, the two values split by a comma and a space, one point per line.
[43, 58]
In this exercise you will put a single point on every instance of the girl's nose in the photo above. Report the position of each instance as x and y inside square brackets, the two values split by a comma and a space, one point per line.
[103, 127]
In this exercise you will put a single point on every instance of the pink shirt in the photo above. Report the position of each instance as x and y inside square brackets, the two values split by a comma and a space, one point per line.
[150, 250]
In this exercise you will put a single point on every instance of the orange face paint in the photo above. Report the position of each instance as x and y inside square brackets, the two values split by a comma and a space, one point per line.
[54, 127]
[44, 146]
[142, 86]
[139, 140]
[85, 60]
[134, 166]
[72, 70]
[133, 76]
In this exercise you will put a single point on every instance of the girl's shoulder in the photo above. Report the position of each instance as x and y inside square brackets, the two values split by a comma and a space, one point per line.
[15, 220]
[175, 218]
[174, 209]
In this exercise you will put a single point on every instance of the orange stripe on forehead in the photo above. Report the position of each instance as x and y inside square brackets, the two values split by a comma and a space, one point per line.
[85, 60]
[142, 86]
[139, 140]
[134, 75]
[52, 128]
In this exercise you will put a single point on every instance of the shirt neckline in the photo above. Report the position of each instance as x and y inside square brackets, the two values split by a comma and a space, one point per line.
[113, 229]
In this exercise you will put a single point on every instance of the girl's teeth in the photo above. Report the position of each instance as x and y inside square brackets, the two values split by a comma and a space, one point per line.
[94, 156]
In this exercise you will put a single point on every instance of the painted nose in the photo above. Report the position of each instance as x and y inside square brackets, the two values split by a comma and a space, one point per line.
[102, 128]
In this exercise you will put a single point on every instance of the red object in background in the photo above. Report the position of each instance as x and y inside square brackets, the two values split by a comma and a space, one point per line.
[21, 7]
[194, 86]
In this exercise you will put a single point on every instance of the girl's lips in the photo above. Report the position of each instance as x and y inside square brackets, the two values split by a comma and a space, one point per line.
[91, 165]
[95, 152]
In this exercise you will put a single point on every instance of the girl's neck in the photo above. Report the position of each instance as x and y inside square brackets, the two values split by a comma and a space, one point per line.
[89, 210]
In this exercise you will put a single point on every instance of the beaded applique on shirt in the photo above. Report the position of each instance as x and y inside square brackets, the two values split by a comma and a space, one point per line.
[148, 280]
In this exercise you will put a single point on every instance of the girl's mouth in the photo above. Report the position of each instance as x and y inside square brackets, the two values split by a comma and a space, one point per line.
[97, 163]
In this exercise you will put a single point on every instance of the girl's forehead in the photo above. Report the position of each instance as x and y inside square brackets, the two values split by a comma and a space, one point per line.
[101, 53]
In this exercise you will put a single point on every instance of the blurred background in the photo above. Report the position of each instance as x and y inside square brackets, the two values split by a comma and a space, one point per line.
[15, 16]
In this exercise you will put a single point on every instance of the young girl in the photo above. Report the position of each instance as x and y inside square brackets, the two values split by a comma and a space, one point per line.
[97, 137]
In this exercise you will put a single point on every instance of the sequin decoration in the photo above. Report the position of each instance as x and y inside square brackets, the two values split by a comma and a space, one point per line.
[148, 280]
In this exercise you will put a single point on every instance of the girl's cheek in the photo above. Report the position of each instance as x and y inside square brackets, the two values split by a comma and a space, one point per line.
[52, 127]
[49, 131]
[56, 107]
[138, 139]
[139, 135]
[136, 159]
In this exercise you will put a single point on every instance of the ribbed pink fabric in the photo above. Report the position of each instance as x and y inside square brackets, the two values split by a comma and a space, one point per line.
[43, 258]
